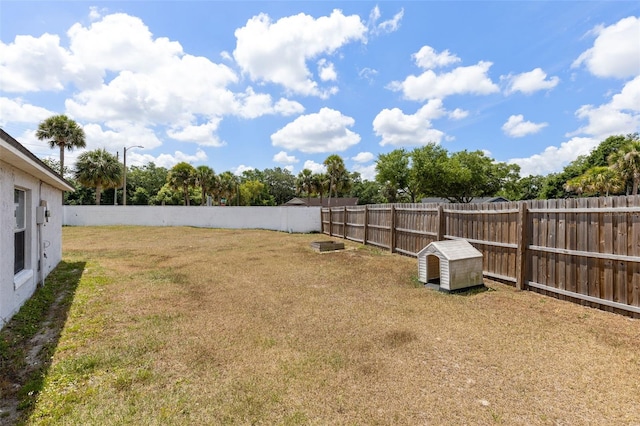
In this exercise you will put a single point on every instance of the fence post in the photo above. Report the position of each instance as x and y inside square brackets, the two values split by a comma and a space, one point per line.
[393, 228]
[344, 223]
[366, 222]
[330, 224]
[521, 253]
[442, 224]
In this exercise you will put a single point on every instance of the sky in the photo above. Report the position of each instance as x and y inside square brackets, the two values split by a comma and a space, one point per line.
[237, 85]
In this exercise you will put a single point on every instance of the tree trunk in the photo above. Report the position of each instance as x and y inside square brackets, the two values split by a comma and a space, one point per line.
[98, 194]
[61, 160]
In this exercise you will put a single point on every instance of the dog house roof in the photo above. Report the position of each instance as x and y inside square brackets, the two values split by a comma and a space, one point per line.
[451, 250]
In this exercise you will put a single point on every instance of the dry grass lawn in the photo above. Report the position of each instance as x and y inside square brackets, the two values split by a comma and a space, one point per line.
[205, 326]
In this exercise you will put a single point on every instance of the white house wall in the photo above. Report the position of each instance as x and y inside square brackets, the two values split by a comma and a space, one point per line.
[12, 298]
[286, 219]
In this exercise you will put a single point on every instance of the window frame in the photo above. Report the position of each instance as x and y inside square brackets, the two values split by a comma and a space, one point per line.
[22, 272]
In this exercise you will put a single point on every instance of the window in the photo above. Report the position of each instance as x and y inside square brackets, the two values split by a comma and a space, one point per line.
[19, 200]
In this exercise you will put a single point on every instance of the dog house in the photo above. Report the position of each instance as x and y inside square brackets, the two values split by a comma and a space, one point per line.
[453, 264]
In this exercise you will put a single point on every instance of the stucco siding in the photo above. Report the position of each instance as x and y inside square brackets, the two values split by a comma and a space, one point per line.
[11, 295]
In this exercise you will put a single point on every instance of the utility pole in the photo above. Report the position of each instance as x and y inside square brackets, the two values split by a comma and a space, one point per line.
[115, 188]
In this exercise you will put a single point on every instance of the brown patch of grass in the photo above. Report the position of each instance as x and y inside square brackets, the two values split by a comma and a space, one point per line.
[202, 326]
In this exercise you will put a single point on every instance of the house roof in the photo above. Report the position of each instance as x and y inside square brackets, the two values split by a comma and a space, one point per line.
[15, 154]
[451, 250]
[478, 200]
[324, 202]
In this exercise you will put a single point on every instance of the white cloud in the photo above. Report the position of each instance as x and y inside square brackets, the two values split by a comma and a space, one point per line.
[290, 168]
[252, 105]
[277, 52]
[458, 114]
[121, 42]
[462, 80]
[325, 131]
[605, 120]
[16, 111]
[287, 107]
[615, 51]
[118, 135]
[314, 167]
[629, 97]
[166, 160]
[367, 172]
[94, 13]
[388, 26]
[399, 129]
[242, 168]
[529, 82]
[427, 58]
[283, 158]
[367, 74]
[620, 116]
[363, 157]
[554, 158]
[23, 61]
[327, 71]
[202, 134]
[516, 127]
[124, 74]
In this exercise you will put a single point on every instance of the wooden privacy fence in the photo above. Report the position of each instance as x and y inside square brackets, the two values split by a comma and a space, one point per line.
[586, 250]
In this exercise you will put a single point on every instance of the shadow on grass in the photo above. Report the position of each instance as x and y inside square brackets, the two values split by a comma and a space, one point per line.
[29, 340]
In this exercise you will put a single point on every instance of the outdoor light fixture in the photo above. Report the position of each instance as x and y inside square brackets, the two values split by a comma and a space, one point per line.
[124, 176]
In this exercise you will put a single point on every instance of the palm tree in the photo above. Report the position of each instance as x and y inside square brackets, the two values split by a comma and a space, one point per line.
[305, 182]
[207, 180]
[228, 185]
[627, 162]
[63, 132]
[604, 180]
[320, 182]
[335, 169]
[98, 169]
[182, 177]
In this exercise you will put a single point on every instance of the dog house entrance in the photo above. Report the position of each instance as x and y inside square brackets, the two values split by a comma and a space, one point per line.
[433, 269]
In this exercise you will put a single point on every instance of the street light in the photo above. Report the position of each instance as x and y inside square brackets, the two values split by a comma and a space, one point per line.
[124, 175]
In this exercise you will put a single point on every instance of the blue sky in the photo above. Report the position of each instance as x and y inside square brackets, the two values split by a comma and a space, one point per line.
[239, 85]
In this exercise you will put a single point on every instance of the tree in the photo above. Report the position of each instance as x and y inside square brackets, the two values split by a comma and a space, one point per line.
[182, 177]
[255, 193]
[63, 132]
[304, 183]
[599, 156]
[627, 162]
[206, 180]
[228, 186]
[366, 191]
[168, 196]
[149, 178]
[320, 184]
[428, 168]
[526, 188]
[280, 183]
[98, 169]
[392, 172]
[335, 171]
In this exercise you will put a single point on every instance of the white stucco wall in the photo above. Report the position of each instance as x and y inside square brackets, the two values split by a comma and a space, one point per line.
[286, 219]
[12, 298]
